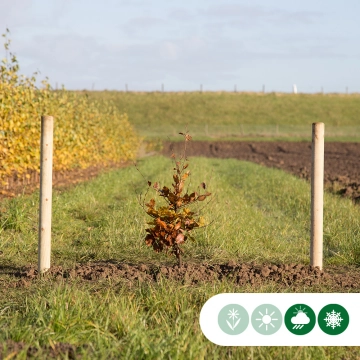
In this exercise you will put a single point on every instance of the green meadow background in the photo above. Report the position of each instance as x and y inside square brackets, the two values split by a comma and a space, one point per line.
[236, 116]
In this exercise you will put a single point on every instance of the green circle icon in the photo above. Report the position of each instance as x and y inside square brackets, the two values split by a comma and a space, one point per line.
[233, 319]
[333, 319]
[300, 319]
[266, 319]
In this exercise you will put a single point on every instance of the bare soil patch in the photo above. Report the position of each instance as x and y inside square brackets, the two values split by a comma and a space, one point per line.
[289, 275]
[10, 349]
[342, 160]
[61, 179]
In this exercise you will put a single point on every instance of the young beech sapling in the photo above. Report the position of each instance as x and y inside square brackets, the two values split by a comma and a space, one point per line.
[173, 223]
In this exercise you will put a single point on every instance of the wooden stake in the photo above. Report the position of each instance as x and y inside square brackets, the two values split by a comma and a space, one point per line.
[317, 195]
[44, 246]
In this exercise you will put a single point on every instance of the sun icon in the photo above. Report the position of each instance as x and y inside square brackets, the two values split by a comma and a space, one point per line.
[266, 319]
[300, 311]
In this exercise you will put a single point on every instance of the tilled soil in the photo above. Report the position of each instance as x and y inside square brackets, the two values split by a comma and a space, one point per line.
[341, 169]
[338, 278]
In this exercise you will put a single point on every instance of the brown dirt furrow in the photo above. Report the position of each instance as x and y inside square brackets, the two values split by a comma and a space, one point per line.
[61, 179]
[341, 169]
[338, 278]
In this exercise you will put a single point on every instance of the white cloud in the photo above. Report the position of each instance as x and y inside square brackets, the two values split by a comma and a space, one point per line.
[169, 51]
[140, 24]
[14, 12]
[300, 319]
[244, 16]
[180, 14]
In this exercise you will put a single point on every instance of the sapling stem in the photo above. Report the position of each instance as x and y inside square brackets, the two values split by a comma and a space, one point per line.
[178, 256]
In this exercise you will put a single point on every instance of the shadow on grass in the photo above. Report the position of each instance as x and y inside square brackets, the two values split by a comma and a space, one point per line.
[11, 270]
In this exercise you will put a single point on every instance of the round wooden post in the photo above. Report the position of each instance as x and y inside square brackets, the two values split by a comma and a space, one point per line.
[46, 160]
[317, 195]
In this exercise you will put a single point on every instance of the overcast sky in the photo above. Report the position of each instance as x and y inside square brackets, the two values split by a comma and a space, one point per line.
[182, 44]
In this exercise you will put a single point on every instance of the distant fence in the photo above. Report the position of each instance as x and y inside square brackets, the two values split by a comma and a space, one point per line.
[248, 130]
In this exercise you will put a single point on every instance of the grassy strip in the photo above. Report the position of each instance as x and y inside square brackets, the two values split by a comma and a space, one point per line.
[237, 115]
[259, 214]
[146, 322]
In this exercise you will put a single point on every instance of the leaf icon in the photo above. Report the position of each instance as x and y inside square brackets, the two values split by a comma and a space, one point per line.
[236, 324]
[230, 326]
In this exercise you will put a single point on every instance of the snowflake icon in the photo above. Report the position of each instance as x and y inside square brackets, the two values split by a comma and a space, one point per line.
[333, 319]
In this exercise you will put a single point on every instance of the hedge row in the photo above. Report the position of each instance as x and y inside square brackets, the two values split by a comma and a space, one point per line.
[86, 133]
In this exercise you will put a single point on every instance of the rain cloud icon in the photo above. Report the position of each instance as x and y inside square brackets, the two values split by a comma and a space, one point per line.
[300, 320]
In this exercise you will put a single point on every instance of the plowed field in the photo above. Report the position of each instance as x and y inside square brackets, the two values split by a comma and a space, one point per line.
[342, 160]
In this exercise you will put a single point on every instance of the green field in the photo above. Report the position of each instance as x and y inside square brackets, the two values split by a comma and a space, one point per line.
[253, 220]
[234, 116]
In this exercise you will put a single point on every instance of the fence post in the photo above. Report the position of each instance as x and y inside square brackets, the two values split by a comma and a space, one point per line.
[317, 194]
[46, 160]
